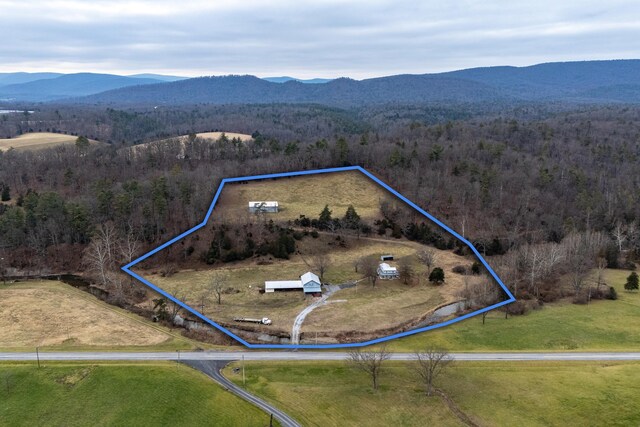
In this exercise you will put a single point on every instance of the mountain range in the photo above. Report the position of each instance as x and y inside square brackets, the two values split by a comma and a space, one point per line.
[583, 82]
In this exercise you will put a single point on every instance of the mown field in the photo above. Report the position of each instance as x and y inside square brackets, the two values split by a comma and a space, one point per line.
[304, 195]
[363, 308]
[123, 394]
[560, 326]
[490, 393]
[53, 315]
[37, 141]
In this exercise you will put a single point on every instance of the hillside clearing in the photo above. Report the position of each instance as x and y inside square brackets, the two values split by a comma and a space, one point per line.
[38, 141]
[304, 195]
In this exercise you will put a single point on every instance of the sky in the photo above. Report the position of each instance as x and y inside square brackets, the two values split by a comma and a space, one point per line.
[324, 38]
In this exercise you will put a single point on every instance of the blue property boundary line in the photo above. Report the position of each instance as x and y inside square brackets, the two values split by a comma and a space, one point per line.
[127, 268]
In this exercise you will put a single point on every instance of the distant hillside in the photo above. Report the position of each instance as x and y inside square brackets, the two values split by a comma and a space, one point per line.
[578, 82]
[586, 79]
[284, 79]
[342, 92]
[68, 85]
[160, 77]
[18, 78]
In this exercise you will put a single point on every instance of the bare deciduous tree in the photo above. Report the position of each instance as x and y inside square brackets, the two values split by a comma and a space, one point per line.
[428, 257]
[99, 255]
[369, 362]
[406, 271]
[580, 251]
[430, 363]
[216, 285]
[370, 269]
[320, 264]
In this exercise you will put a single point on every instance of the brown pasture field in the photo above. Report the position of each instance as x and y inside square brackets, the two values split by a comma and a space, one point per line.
[52, 314]
[304, 195]
[38, 141]
[216, 135]
[365, 308]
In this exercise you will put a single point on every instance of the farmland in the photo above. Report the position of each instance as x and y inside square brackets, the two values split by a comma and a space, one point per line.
[37, 141]
[366, 308]
[560, 326]
[490, 393]
[363, 308]
[106, 394]
[53, 315]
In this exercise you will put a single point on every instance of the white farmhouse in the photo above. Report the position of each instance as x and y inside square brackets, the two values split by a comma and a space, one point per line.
[385, 271]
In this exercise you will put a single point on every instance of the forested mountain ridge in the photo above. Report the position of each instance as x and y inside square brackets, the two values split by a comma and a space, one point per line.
[578, 82]
[68, 85]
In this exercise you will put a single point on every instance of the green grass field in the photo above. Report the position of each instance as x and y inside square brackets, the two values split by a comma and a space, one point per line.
[490, 393]
[600, 326]
[145, 394]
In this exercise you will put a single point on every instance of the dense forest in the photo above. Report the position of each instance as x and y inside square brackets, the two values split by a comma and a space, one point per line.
[519, 182]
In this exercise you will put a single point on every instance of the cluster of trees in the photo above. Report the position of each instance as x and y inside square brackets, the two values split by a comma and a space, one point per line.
[350, 221]
[280, 242]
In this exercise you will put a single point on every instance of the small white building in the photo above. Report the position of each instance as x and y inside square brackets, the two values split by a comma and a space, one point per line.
[263, 206]
[385, 271]
[309, 283]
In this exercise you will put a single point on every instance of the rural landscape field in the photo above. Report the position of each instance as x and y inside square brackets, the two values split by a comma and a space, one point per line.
[37, 141]
[317, 214]
[352, 303]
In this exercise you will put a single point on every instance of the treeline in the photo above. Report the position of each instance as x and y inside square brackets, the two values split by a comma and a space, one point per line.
[502, 183]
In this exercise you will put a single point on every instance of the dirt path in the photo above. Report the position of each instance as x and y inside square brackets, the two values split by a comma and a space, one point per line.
[297, 323]
[464, 418]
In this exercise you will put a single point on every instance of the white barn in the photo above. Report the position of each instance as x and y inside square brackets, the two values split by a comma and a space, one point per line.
[385, 271]
[263, 206]
[309, 283]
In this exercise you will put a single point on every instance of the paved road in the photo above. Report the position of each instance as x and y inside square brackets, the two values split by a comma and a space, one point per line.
[306, 355]
[211, 368]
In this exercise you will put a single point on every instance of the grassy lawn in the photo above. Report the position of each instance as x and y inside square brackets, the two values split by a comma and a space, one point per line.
[330, 394]
[145, 394]
[56, 316]
[601, 326]
[491, 393]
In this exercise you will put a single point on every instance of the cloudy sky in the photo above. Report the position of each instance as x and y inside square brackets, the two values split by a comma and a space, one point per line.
[324, 38]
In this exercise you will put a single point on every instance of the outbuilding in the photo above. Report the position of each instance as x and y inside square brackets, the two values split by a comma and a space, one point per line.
[263, 206]
[309, 283]
[385, 271]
